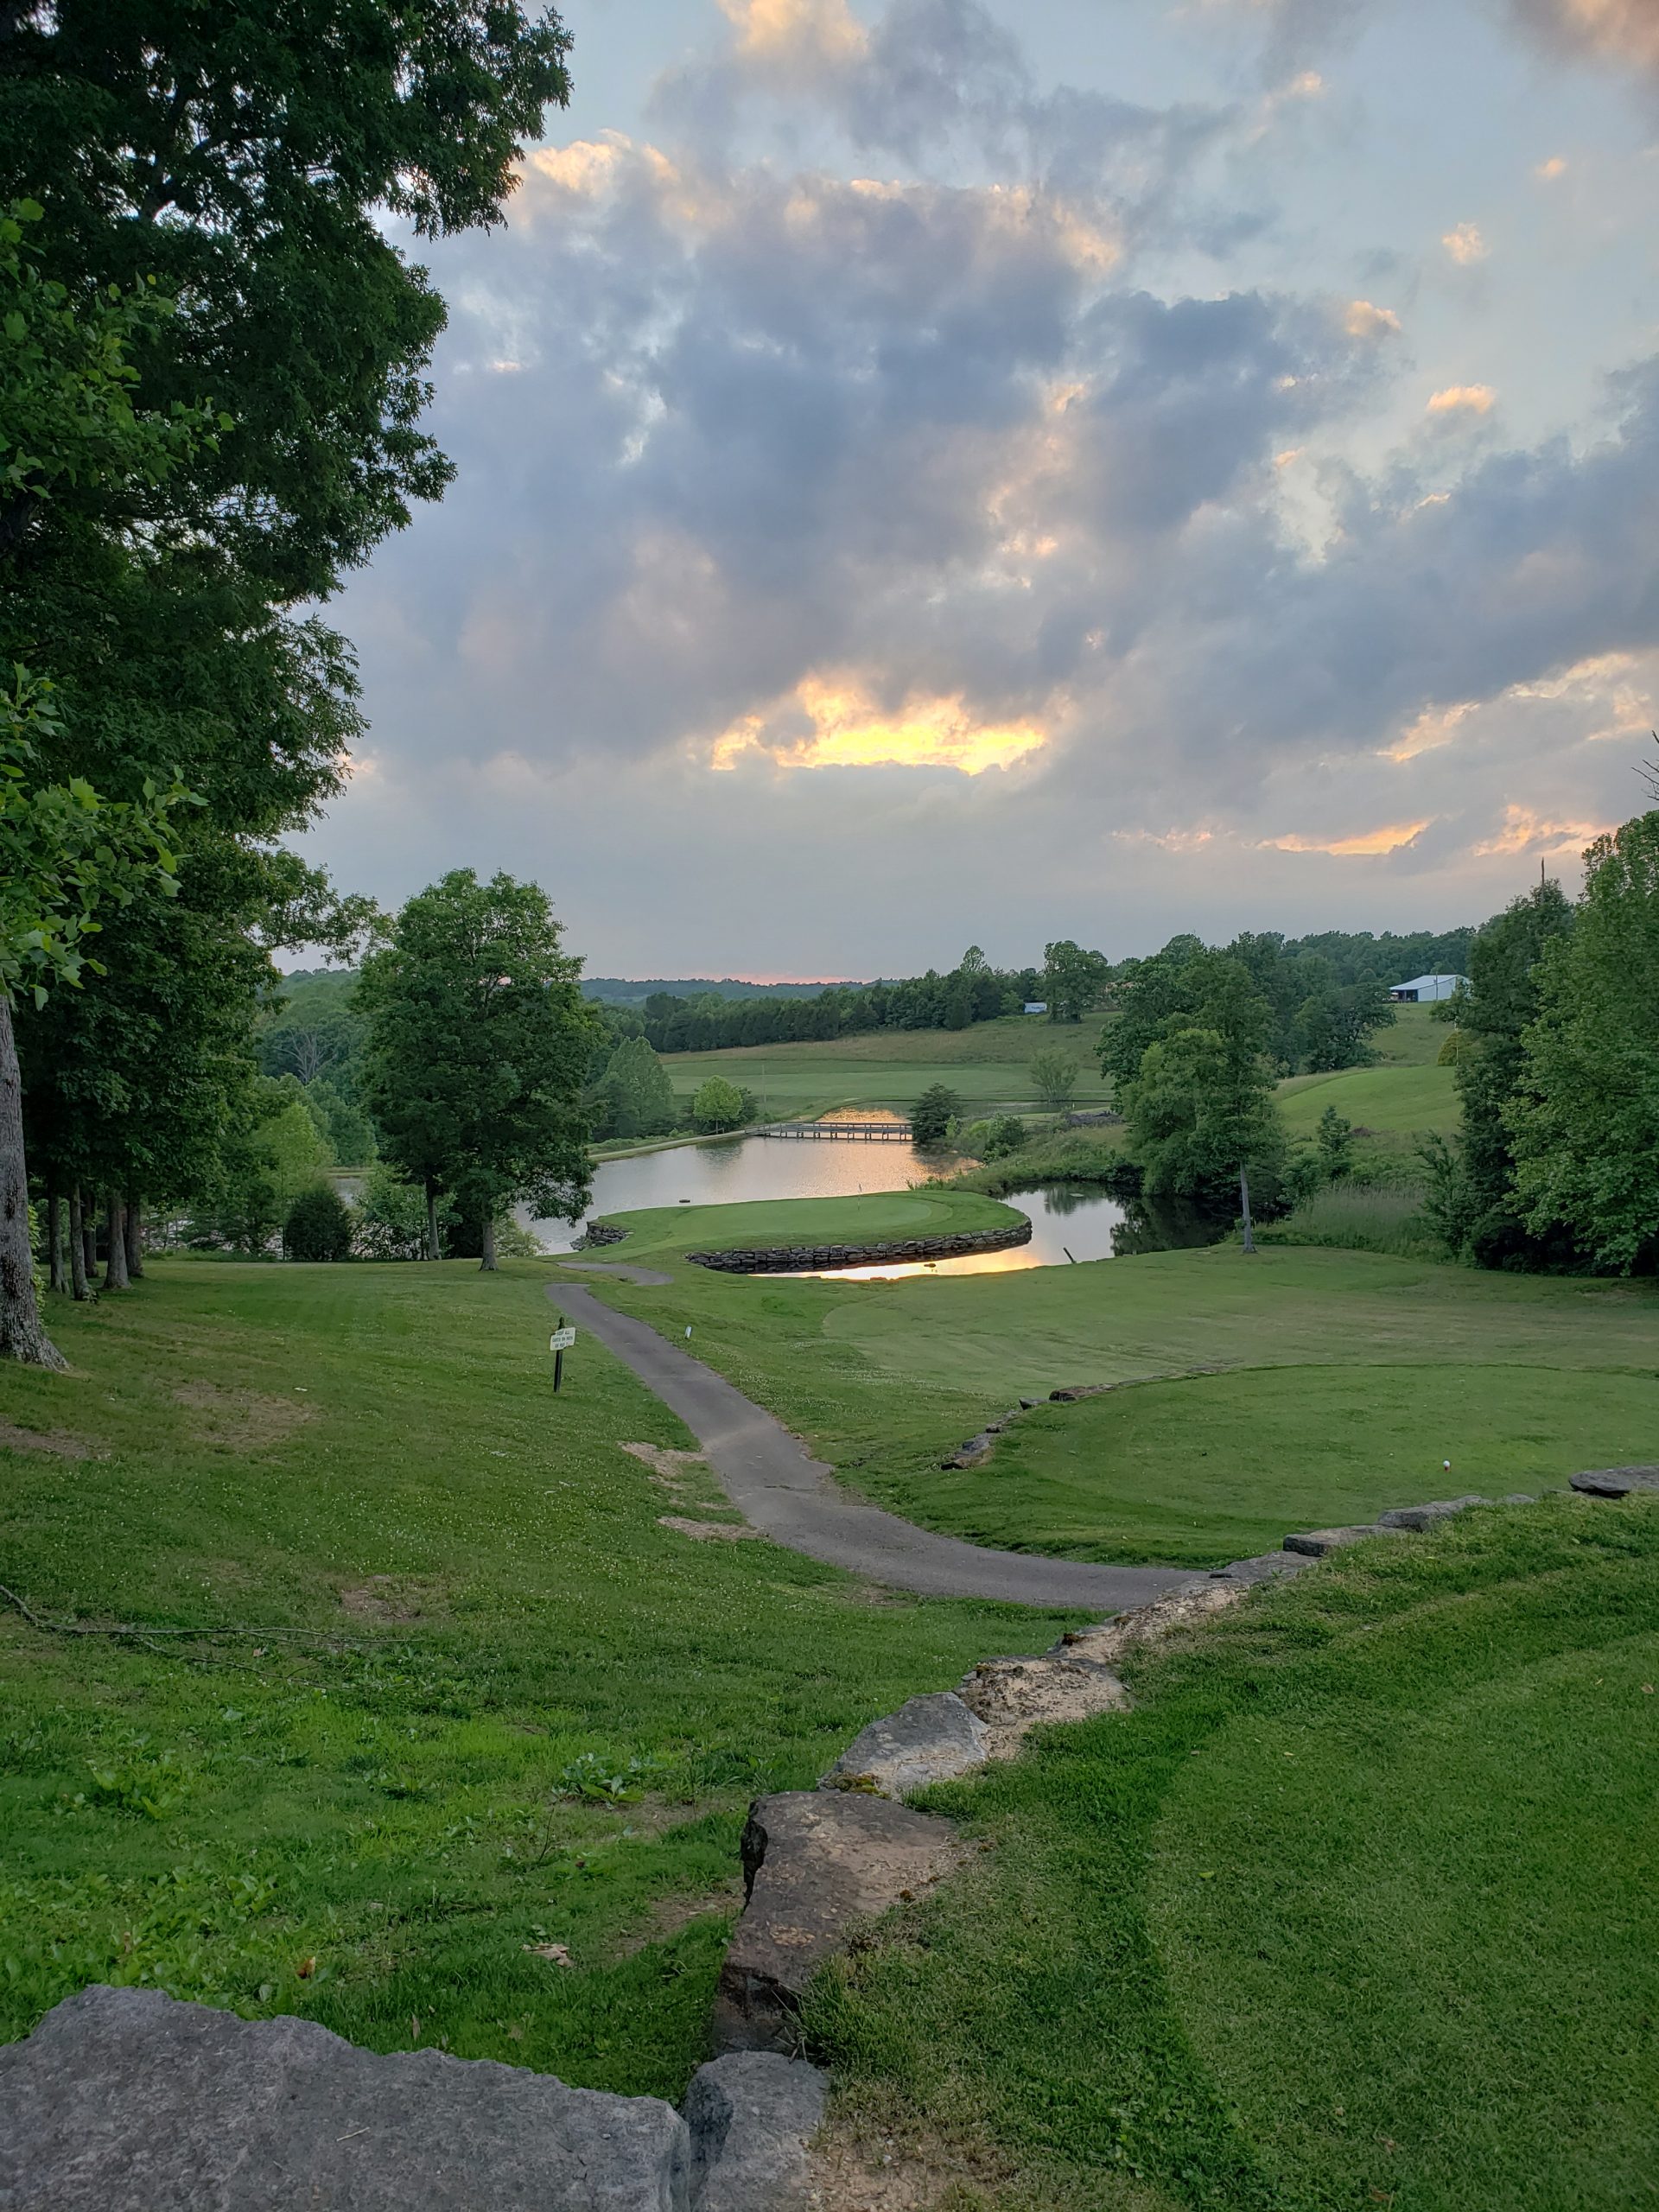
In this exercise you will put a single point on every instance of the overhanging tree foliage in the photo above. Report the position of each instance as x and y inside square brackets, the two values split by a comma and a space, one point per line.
[245, 156]
[478, 1039]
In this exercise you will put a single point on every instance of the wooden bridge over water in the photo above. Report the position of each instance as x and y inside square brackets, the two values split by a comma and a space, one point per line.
[860, 1132]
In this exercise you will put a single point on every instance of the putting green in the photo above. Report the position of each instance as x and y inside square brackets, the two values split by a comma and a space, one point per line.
[1221, 1466]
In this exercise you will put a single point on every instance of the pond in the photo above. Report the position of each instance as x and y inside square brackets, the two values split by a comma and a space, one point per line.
[1070, 1221]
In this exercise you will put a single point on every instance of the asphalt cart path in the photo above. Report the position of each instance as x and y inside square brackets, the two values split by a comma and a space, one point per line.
[797, 1502]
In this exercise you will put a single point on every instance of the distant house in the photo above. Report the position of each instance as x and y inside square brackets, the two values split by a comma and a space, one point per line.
[1423, 989]
[1035, 1005]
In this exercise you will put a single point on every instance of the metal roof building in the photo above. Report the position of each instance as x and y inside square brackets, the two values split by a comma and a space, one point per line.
[1422, 990]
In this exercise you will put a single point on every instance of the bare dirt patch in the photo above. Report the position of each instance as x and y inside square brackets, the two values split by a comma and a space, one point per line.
[702, 1532]
[58, 1442]
[391, 1598]
[244, 1420]
[671, 1470]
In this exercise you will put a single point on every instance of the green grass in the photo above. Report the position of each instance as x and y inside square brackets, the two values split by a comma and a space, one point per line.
[666, 1232]
[556, 1745]
[1222, 1466]
[884, 1378]
[1400, 1102]
[986, 1066]
[1363, 1218]
[1412, 1040]
[1359, 1906]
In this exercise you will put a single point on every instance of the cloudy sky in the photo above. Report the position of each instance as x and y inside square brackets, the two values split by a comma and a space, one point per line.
[950, 470]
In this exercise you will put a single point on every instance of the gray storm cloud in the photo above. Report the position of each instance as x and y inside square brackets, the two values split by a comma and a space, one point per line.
[788, 496]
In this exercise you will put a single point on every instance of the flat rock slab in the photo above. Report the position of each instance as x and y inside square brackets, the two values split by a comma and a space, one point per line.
[752, 2114]
[1011, 1697]
[928, 1739]
[1616, 1482]
[817, 1862]
[1265, 1566]
[1416, 1518]
[1319, 1543]
[125, 2101]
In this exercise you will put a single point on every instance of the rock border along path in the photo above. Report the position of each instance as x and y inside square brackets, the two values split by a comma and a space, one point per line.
[796, 1502]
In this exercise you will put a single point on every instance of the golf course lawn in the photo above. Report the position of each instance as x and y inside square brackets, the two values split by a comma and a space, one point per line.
[1346, 1378]
[1358, 1906]
[1396, 1102]
[1174, 1471]
[985, 1065]
[487, 1701]
[1401, 1097]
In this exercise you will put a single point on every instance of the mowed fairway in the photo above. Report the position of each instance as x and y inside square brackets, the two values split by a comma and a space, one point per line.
[1357, 1907]
[1347, 1380]
[985, 1065]
[485, 1700]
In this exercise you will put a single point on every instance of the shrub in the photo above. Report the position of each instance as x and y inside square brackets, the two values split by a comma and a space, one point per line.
[319, 1226]
[933, 1115]
[391, 1216]
[1006, 1135]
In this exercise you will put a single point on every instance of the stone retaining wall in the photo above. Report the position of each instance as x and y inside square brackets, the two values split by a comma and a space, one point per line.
[794, 1259]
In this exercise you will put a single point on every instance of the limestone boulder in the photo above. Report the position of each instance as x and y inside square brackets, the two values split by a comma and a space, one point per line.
[816, 1863]
[1616, 1482]
[1416, 1518]
[929, 1738]
[752, 2114]
[126, 2101]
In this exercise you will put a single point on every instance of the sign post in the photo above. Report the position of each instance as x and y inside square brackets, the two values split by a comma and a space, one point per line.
[558, 1343]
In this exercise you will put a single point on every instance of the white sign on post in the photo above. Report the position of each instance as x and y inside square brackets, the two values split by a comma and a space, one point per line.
[562, 1340]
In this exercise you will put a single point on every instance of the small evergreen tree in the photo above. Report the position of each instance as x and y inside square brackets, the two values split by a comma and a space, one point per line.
[319, 1226]
[1336, 1146]
[933, 1117]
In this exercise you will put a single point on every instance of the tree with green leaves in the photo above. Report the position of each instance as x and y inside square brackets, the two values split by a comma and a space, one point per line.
[1583, 1119]
[717, 1106]
[1054, 1078]
[1334, 1146]
[1199, 1112]
[933, 1117]
[635, 1094]
[1073, 980]
[67, 860]
[246, 159]
[1477, 1207]
[479, 1040]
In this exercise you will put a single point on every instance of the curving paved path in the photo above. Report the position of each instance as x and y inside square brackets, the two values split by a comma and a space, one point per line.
[797, 1503]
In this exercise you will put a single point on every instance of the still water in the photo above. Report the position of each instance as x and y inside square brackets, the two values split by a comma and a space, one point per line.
[1070, 1221]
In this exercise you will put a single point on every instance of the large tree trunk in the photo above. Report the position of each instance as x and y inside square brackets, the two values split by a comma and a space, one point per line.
[115, 1261]
[56, 1263]
[135, 1227]
[431, 1221]
[79, 1270]
[22, 1335]
[89, 1235]
[488, 1246]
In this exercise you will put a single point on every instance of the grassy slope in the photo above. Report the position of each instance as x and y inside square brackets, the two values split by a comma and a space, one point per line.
[884, 1377]
[393, 1808]
[985, 1065]
[1357, 1907]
